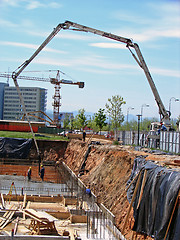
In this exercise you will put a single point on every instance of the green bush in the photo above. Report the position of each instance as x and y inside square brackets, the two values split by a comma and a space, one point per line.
[115, 142]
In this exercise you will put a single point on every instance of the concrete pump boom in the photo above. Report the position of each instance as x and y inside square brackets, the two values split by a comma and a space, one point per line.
[165, 116]
[139, 59]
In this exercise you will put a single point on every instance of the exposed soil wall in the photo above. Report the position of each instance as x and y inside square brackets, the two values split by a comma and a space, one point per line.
[49, 150]
[107, 170]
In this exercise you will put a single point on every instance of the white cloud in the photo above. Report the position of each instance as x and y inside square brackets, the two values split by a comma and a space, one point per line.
[153, 34]
[165, 72]
[102, 66]
[13, 3]
[108, 45]
[31, 46]
[63, 35]
[6, 23]
[161, 20]
[37, 4]
[30, 4]
[33, 5]
[51, 61]
[54, 5]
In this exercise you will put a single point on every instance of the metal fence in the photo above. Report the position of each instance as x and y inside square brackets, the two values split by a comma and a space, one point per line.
[168, 141]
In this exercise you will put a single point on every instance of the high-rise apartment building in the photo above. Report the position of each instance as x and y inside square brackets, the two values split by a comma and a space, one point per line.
[34, 98]
[2, 86]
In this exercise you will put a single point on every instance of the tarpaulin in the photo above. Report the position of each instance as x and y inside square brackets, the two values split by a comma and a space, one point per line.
[15, 147]
[160, 192]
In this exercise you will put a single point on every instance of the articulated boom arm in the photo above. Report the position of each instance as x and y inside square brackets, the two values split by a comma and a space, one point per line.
[139, 59]
[129, 43]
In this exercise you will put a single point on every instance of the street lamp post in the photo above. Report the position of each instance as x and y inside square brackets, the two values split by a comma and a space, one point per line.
[172, 98]
[139, 116]
[144, 105]
[129, 108]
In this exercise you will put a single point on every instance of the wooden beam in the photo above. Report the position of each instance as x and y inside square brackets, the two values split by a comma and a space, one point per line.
[176, 202]
[24, 202]
[133, 197]
[16, 225]
[2, 201]
[142, 187]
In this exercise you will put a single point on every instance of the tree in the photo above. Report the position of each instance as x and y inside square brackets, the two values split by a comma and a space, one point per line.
[100, 119]
[66, 121]
[81, 120]
[92, 124]
[115, 112]
[129, 126]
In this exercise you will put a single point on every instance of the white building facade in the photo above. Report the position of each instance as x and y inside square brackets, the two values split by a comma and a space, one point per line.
[35, 100]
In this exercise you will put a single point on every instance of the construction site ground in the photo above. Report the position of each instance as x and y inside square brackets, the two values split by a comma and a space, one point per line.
[107, 170]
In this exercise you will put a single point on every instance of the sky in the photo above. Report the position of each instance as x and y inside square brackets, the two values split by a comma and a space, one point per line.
[105, 66]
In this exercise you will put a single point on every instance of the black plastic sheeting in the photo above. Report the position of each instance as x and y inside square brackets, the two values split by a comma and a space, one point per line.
[159, 196]
[17, 148]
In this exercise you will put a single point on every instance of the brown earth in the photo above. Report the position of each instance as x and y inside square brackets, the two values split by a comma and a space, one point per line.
[108, 168]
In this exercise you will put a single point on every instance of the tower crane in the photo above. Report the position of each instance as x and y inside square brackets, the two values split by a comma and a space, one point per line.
[57, 86]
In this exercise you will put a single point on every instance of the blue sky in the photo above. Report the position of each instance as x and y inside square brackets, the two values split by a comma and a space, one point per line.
[106, 66]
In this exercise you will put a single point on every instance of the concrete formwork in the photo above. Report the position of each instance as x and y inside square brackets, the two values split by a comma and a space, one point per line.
[96, 222]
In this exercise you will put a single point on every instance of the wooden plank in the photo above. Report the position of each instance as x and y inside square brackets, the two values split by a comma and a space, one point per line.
[5, 216]
[48, 216]
[49, 199]
[28, 204]
[31, 216]
[24, 202]
[78, 218]
[175, 205]
[132, 200]
[142, 187]
[2, 201]
[35, 214]
[9, 216]
[60, 215]
[16, 225]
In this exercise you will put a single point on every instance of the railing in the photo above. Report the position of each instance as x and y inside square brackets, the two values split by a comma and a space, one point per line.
[170, 141]
[166, 141]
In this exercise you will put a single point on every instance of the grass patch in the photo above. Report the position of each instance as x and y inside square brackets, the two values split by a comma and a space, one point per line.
[27, 135]
[115, 142]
